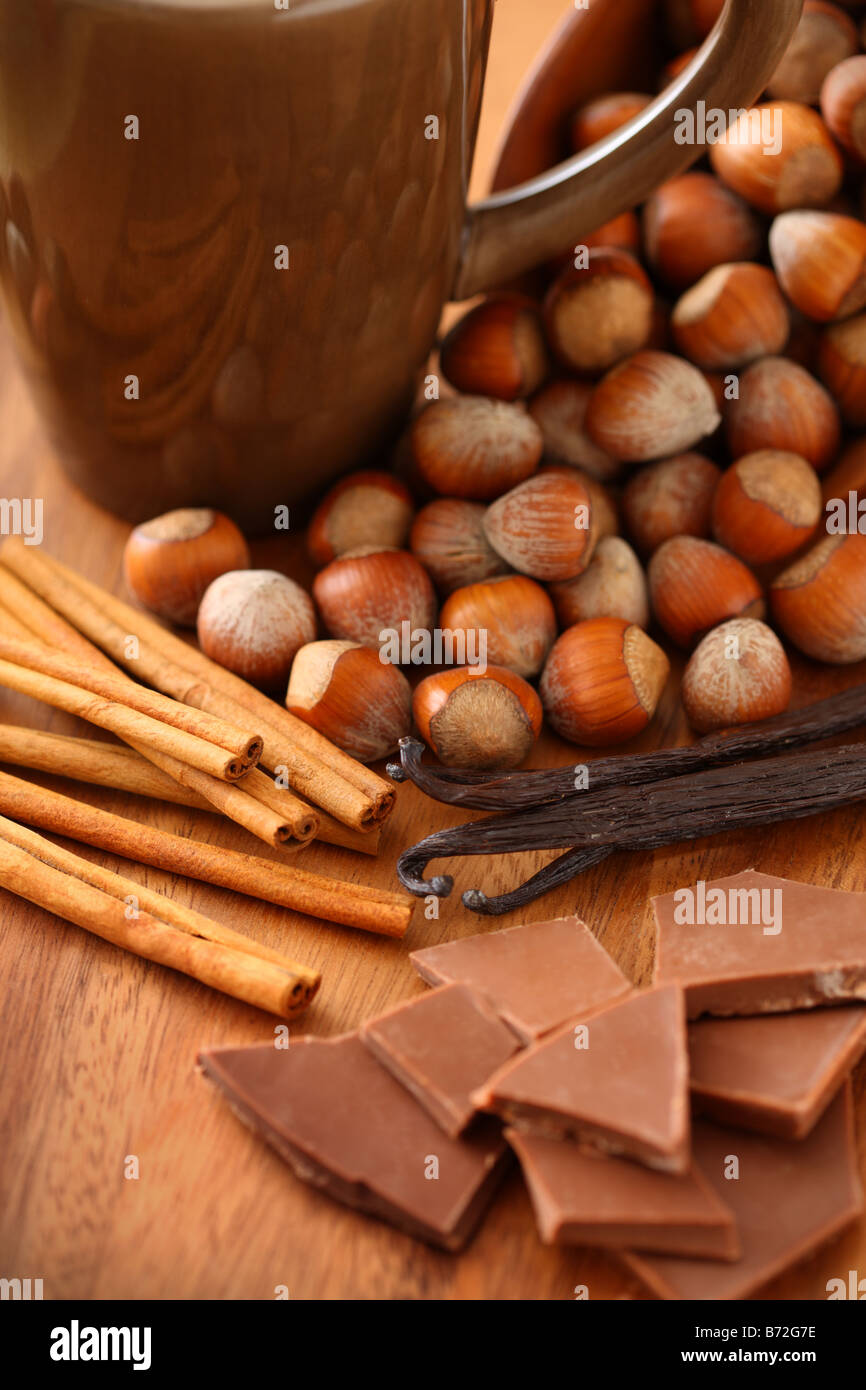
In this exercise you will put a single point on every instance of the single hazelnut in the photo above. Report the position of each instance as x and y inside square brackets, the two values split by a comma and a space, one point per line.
[253, 622]
[767, 505]
[472, 447]
[367, 508]
[601, 116]
[823, 38]
[598, 314]
[544, 527]
[671, 498]
[820, 259]
[651, 406]
[820, 602]
[614, 586]
[371, 591]
[559, 409]
[842, 366]
[605, 511]
[843, 104]
[737, 674]
[360, 703]
[512, 615]
[603, 681]
[448, 538]
[478, 718]
[780, 405]
[805, 171]
[170, 561]
[693, 223]
[497, 349]
[695, 585]
[732, 316]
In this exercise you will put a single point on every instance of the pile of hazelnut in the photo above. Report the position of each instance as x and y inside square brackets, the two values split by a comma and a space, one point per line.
[643, 444]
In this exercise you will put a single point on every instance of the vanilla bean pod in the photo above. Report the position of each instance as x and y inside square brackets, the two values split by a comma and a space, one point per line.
[515, 791]
[562, 870]
[788, 787]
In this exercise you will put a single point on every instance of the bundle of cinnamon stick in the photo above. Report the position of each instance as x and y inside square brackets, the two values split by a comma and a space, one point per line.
[150, 925]
[194, 734]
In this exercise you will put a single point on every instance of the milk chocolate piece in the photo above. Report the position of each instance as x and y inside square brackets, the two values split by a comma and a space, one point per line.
[536, 976]
[776, 1073]
[617, 1080]
[583, 1198]
[442, 1046]
[346, 1126]
[814, 953]
[789, 1198]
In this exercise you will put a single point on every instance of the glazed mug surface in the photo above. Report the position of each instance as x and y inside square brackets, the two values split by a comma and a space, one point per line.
[230, 226]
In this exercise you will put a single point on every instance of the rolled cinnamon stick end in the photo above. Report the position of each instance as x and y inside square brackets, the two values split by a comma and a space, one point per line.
[249, 978]
[122, 769]
[302, 820]
[234, 800]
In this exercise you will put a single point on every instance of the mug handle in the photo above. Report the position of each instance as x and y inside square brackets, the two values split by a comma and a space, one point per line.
[512, 231]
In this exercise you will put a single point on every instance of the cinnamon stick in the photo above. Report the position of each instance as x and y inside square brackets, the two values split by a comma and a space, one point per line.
[317, 770]
[294, 821]
[350, 904]
[283, 831]
[36, 656]
[157, 904]
[138, 729]
[259, 786]
[333, 832]
[26, 616]
[250, 978]
[122, 769]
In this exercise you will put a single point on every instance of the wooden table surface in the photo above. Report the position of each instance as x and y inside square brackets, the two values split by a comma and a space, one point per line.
[97, 1048]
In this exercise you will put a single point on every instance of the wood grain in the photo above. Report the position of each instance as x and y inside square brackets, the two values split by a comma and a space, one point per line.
[97, 1048]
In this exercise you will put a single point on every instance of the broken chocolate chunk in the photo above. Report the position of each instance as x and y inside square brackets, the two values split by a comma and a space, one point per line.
[343, 1123]
[536, 976]
[753, 944]
[787, 1198]
[441, 1046]
[775, 1073]
[584, 1198]
[618, 1079]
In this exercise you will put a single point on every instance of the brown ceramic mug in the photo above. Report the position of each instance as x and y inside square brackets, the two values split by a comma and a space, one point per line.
[230, 226]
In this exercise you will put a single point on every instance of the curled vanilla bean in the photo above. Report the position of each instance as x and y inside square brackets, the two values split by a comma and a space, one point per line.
[562, 870]
[788, 787]
[516, 791]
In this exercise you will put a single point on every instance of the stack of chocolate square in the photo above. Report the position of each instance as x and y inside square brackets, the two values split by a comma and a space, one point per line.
[537, 1027]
